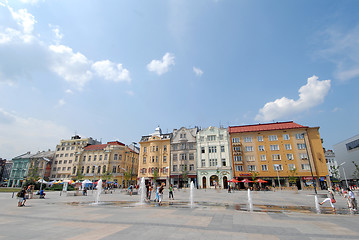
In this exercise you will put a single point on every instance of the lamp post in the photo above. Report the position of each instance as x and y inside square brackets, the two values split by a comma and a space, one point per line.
[133, 156]
[277, 169]
[310, 165]
[123, 176]
[93, 182]
[346, 181]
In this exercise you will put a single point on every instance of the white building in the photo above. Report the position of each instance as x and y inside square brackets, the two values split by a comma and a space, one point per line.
[214, 164]
[347, 152]
[332, 164]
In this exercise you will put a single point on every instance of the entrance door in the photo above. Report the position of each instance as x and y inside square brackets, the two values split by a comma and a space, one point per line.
[204, 182]
[214, 180]
[225, 183]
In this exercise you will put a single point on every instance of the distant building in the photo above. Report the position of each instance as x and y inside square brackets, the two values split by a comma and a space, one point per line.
[40, 164]
[7, 171]
[272, 150]
[67, 157]
[183, 156]
[333, 169]
[113, 159]
[154, 163]
[19, 170]
[214, 164]
[347, 152]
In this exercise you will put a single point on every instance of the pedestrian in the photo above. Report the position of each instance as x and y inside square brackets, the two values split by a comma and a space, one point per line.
[21, 197]
[352, 203]
[229, 188]
[130, 189]
[160, 194]
[170, 192]
[330, 198]
[157, 194]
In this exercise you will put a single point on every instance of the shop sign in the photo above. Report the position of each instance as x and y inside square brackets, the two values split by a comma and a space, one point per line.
[307, 178]
[245, 174]
[322, 179]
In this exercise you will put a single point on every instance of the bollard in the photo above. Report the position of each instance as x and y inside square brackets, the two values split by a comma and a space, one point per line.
[13, 194]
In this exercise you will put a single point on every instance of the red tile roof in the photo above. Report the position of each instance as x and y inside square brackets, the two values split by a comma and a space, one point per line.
[95, 147]
[115, 143]
[265, 127]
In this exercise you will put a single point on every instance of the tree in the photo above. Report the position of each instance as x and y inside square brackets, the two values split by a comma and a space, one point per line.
[107, 176]
[356, 171]
[155, 175]
[127, 176]
[254, 175]
[334, 171]
[78, 176]
[292, 177]
[185, 177]
[33, 174]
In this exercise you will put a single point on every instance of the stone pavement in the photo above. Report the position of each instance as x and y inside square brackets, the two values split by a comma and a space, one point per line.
[215, 216]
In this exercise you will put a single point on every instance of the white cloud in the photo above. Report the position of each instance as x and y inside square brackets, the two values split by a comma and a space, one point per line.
[130, 93]
[197, 71]
[336, 109]
[110, 71]
[32, 2]
[69, 91]
[23, 19]
[61, 102]
[22, 134]
[161, 67]
[73, 67]
[58, 35]
[342, 48]
[310, 95]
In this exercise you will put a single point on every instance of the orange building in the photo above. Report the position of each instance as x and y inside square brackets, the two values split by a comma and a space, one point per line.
[284, 151]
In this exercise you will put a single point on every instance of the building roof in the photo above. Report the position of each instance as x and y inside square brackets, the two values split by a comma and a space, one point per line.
[95, 147]
[265, 127]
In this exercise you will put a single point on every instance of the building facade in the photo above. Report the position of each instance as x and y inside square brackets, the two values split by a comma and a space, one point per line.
[40, 165]
[279, 151]
[155, 150]
[332, 165]
[214, 165]
[183, 156]
[112, 161]
[347, 157]
[67, 157]
[19, 170]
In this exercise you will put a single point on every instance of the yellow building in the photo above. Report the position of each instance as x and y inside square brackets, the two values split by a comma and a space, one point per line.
[273, 150]
[114, 159]
[154, 163]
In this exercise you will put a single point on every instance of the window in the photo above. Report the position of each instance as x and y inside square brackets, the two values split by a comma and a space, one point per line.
[89, 159]
[274, 147]
[191, 156]
[203, 162]
[211, 138]
[222, 148]
[203, 150]
[264, 167]
[272, 137]
[84, 159]
[201, 138]
[213, 162]
[224, 162]
[285, 136]
[290, 156]
[236, 140]
[220, 137]
[66, 154]
[278, 167]
[60, 162]
[156, 158]
[248, 139]
[299, 136]
[61, 155]
[153, 159]
[212, 149]
[175, 168]
[82, 169]
[305, 167]
[164, 159]
[174, 157]
[263, 157]
[183, 146]
[239, 168]
[251, 167]
[120, 157]
[287, 146]
[71, 154]
[65, 161]
[99, 169]
[301, 146]
[115, 156]
[55, 162]
[260, 138]
[144, 149]
[54, 169]
[144, 159]
[76, 158]
[261, 148]
[236, 149]
[275, 156]
[291, 166]
[74, 170]
[303, 156]
[104, 169]
[70, 161]
[238, 158]
[68, 168]
[88, 169]
[156, 148]
[191, 146]
[95, 157]
[183, 156]
[165, 148]
[250, 158]
[191, 167]
[93, 169]
[352, 145]
[105, 157]
[249, 148]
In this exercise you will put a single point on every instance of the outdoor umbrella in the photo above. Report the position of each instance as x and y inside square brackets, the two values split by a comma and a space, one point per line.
[41, 181]
[246, 181]
[261, 181]
[233, 180]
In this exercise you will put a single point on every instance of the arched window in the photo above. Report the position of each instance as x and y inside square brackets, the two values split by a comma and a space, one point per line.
[93, 169]
[82, 169]
[88, 169]
[99, 169]
[104, 169]
[74, 170]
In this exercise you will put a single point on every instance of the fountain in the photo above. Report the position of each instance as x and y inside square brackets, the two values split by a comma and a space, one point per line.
[191, 194]
[317, 208]
[142, 191]
[98, 193]
[250, 203]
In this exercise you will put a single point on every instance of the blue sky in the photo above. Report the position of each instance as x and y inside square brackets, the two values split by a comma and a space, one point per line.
[115, 70]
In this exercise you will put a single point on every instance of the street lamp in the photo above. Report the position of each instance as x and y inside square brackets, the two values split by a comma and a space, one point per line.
[346, 181]
[93, 182]
[133, 156]
[277, 169]
[310, 166]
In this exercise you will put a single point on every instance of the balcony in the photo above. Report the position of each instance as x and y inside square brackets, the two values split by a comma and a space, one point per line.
[236, 143]
[236, 153]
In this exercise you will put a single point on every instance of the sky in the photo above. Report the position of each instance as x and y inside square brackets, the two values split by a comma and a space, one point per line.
[115, 70]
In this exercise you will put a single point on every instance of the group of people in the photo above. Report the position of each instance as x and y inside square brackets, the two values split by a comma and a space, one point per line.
[348, 194]
[26, 192]
[159, 189]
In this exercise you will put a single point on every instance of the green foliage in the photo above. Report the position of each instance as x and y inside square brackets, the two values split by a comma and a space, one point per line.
[292, 177]
[334, 171]
[356, 171]
[254, 175]
[155, 175]
[108, 176]
[59, 187]
[33, 174]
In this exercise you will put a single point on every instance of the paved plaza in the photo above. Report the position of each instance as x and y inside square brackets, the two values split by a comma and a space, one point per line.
[215, 215]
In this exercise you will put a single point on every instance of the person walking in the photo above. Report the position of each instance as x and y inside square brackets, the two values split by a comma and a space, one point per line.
[22, 197]
[170, 193]
[160, 194]
[352, 204]
[157, 194]
[330, 199]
